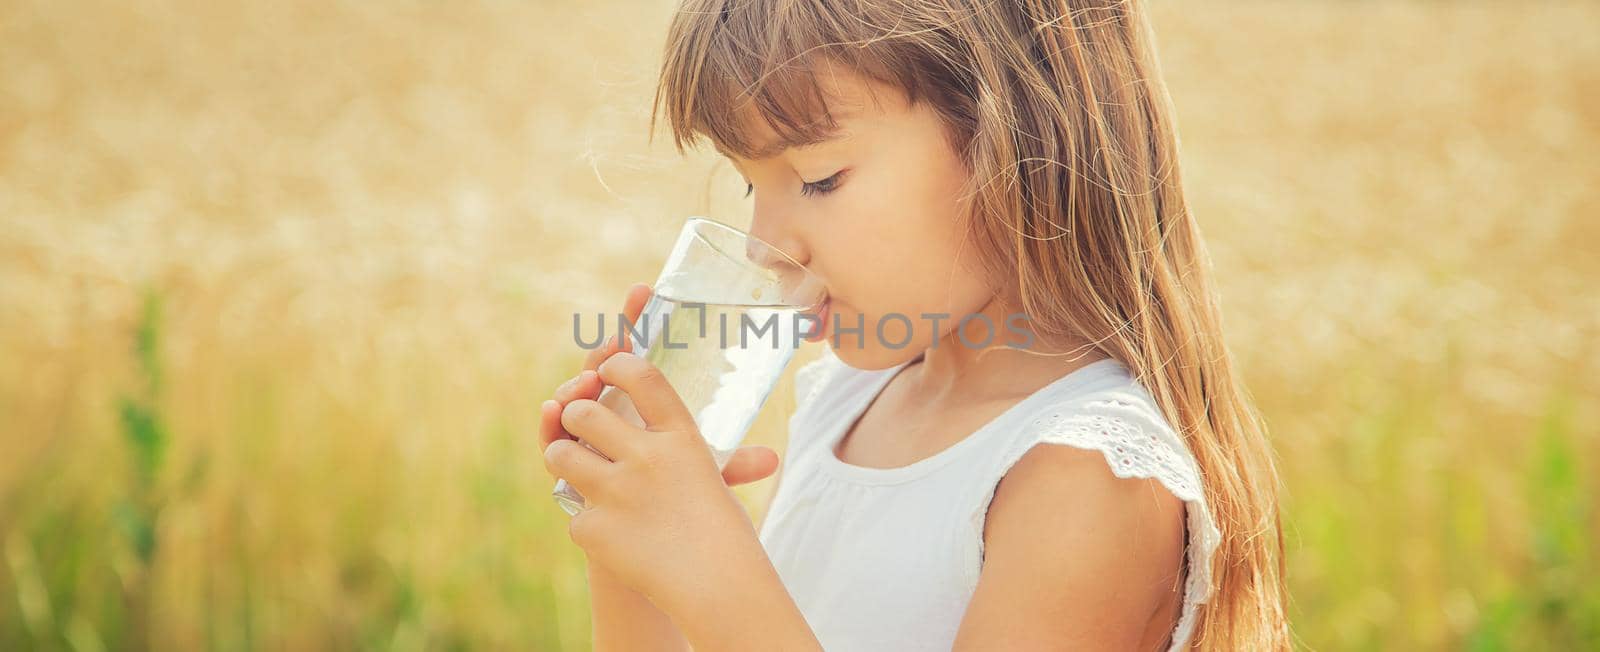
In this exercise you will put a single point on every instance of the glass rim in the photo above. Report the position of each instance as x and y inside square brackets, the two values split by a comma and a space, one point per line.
[811, 277]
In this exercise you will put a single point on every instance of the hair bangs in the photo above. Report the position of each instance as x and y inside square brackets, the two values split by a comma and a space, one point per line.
[731, 66]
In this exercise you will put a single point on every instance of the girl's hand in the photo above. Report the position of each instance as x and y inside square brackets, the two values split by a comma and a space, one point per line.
[659, 517]
[748, 464]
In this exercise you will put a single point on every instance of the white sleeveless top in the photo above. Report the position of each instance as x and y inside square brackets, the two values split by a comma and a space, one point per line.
[887, 559]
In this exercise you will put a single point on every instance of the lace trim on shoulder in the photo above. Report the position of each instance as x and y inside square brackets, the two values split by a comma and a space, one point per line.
[1136, 445]
[1131, 450]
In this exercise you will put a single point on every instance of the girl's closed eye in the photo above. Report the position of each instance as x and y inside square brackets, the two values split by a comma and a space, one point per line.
[819, 187]
[824, 186]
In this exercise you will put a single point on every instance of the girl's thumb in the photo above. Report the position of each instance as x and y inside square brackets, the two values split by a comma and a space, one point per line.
[749, 464]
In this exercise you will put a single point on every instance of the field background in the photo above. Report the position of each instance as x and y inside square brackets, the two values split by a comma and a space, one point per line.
[281, 288]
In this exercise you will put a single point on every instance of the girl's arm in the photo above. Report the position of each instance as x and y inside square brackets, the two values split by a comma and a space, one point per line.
[750, 609]
[744, 606]
[626, 620]
[714, 580]
[1076, 558]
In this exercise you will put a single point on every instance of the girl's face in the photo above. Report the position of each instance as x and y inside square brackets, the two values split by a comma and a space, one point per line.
[876, 212]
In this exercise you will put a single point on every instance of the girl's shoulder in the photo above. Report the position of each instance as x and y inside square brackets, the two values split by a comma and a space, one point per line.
[1115, 416]
[1121, 420]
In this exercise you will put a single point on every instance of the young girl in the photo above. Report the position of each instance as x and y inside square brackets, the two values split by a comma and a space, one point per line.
[944, 164]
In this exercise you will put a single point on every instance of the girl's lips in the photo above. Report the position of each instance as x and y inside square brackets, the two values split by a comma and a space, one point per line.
[821, 326]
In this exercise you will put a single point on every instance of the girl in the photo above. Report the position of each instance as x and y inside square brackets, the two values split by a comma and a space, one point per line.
[1107, 486]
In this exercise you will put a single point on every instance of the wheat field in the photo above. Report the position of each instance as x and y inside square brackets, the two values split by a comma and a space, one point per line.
[282, 286]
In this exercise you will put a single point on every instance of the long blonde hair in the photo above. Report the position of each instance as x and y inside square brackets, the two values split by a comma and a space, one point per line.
[1078, 209]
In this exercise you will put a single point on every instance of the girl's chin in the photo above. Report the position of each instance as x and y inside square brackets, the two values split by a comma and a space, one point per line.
[867, 356]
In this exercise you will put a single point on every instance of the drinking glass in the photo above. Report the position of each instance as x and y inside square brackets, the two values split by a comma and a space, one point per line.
[726, 315]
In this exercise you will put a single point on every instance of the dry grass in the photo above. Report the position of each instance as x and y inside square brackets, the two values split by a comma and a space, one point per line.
[281, 288]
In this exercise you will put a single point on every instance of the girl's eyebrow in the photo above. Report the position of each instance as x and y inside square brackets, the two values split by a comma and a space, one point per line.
[781, 146]
[770, 150]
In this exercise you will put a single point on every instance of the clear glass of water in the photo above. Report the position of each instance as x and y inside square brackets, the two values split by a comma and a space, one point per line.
[726, 315]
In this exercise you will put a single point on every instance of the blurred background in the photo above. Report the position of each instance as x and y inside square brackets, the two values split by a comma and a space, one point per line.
[282, 286]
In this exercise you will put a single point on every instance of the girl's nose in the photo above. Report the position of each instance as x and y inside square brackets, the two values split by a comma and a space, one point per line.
[796, 285]
[769, 257]
[776, 232]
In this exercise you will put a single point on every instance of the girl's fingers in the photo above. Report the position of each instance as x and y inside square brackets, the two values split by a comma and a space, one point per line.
[584, 385]
[749, 464]
[549, 424]
[582, 468]
[653, 397]
[632, 306]
[600, 427]
[599, 354]
[587, 384]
